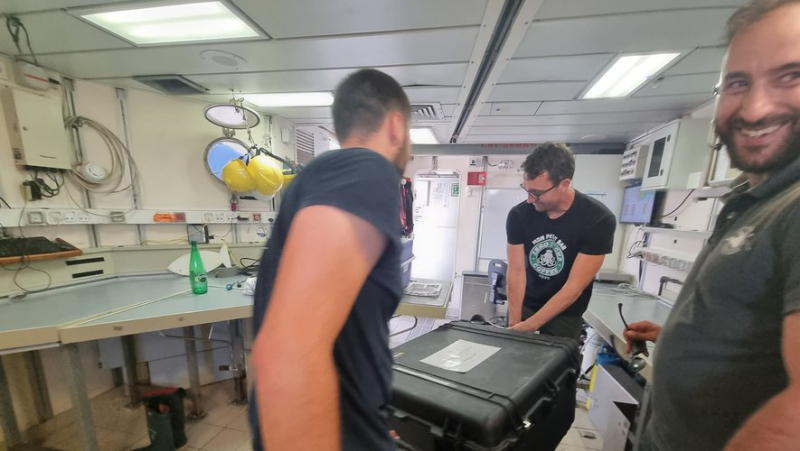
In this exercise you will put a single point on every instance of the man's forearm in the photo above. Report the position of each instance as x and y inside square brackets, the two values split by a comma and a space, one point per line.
[516, 295]
[774, 426]
[296, 388]
[557, 304]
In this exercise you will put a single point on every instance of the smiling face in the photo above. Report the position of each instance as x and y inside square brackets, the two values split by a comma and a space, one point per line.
[758, 114]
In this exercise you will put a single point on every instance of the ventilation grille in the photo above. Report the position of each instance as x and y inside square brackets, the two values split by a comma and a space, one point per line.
[171, 84]
[427, 112]
[304, 145]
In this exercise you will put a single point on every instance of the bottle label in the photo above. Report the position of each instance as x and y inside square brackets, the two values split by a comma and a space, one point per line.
[200, 278]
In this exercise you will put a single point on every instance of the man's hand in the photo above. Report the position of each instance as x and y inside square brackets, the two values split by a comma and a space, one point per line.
[525, 326]
[643, 331]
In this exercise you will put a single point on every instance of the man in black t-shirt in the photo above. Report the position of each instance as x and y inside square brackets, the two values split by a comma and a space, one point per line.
[329, 281]
[557, 240]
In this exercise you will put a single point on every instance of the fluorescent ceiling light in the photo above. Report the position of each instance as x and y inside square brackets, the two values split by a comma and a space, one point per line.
[628, 73]
[173, 23]
[291, 99]
[423, 136]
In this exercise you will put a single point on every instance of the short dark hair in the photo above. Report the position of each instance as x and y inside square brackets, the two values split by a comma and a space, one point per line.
[752, 13]
[364, 99]
[554, 158]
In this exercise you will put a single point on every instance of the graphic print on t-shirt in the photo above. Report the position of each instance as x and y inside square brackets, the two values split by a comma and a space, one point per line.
[547, 255]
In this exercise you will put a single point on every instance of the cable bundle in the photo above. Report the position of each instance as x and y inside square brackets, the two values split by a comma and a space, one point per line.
[121, 159]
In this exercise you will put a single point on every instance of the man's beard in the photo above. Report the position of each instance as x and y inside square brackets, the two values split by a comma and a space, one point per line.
[790, 150]
[402, 157]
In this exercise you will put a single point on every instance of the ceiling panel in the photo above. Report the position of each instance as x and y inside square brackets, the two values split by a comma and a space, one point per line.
[452, 45]
[448, 110]
[622, 105]
[668, 30]
[302, 112]
[23, 6]
[443, 133]
[579, 119]
[566, 138]
[544, 90]
[440, 95]
[296, 18]
[515, 108]
[555, 68]
[327, 79]
[701, 60]
[603, 129]
[553, 9]
[57, 31]
[679, 84]
[312, 121]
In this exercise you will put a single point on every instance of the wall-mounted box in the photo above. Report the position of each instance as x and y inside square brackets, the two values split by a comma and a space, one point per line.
[36, 129]
[677, 150]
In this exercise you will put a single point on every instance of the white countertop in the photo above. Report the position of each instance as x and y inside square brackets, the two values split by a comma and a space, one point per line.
[603, 316]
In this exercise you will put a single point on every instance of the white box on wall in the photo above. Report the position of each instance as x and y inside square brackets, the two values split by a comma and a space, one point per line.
[286, 135]
[36, 129]
[677, 149]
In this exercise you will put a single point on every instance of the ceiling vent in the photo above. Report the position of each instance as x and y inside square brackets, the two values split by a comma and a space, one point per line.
[427, 112]
[171, 84]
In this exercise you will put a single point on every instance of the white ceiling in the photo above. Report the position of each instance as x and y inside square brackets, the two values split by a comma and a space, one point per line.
[432, 48]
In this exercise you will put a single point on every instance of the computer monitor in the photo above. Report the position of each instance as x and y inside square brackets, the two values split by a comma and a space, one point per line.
[638, 206]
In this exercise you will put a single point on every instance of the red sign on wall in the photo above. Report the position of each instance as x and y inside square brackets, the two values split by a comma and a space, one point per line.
[476, 178]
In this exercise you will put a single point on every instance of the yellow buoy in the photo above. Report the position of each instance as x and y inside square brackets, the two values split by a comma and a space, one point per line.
[236, 175]
[267, 174]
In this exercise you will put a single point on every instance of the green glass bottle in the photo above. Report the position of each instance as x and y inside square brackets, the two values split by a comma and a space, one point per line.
[197, 272]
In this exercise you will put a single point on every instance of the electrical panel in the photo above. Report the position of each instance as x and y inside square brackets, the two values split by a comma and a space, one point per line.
[36, 129]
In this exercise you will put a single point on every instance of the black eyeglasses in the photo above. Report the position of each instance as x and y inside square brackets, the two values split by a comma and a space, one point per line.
[534, 194]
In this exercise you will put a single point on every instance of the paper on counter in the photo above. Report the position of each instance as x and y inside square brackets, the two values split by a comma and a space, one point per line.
[460, 356]
[430, 290]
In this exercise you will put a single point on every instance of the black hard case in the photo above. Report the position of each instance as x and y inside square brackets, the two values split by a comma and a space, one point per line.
[520, 398]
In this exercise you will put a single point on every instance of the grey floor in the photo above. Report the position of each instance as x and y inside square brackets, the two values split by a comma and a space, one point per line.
[225, 428]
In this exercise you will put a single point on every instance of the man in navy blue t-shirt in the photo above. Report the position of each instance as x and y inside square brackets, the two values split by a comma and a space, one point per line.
[330, 280]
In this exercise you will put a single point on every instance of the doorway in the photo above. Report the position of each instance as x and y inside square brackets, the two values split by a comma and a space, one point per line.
[436, 208]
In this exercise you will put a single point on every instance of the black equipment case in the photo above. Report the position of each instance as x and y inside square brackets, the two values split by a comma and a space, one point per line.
[520, 398]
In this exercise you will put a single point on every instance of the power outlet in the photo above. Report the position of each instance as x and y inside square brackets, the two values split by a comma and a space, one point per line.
[83, 217]
[35, 217]
[118, 217]
[54, 217]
